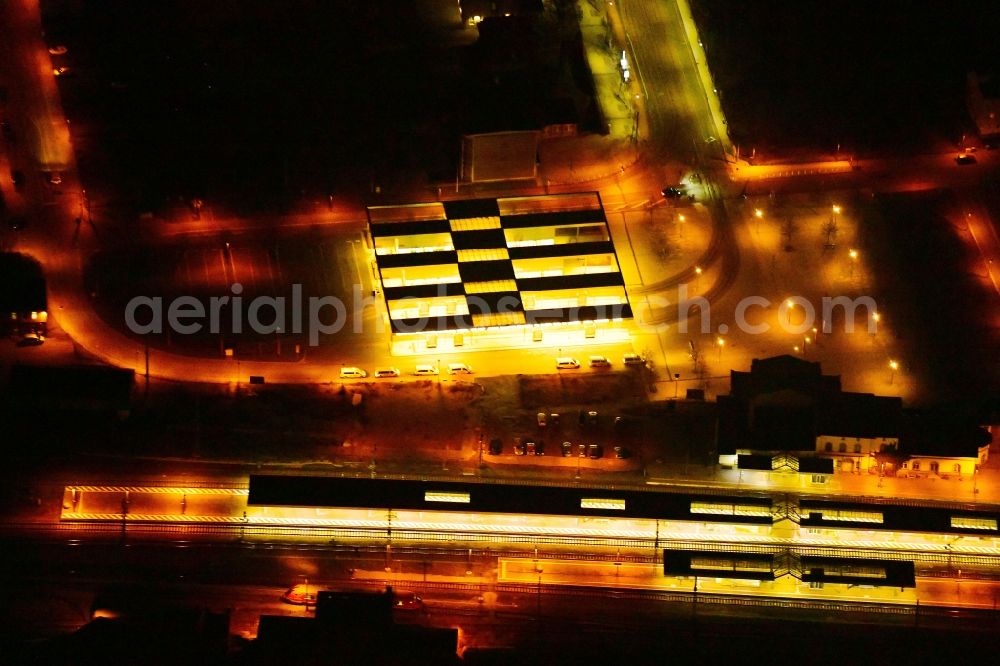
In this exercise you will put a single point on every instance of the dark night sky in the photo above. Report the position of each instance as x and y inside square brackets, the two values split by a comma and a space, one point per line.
[875, 74]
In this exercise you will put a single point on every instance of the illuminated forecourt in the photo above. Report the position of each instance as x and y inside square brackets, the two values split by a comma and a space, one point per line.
[499, 273]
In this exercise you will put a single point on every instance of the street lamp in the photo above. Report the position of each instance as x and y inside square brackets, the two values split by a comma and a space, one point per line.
[893, 365]
[697, 277]
[722, 343]
[854, 257]
[876, 317]
[758, 213]
[680, 223]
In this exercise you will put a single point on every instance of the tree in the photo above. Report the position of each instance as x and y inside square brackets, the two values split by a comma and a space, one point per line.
[788, 229]
[830, 230]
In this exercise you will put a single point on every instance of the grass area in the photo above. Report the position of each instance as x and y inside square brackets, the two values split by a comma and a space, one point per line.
[540, 391]
[943, 308]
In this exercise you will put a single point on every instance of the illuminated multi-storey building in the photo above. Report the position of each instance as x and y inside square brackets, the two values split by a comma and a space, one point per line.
[493, 273]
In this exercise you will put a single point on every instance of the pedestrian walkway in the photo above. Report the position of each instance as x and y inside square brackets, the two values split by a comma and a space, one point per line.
[580, 159]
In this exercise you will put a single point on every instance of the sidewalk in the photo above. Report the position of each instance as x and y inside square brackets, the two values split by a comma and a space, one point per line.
[581, 159]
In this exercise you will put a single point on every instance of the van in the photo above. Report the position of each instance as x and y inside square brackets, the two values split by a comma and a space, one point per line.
[426, 370]
[387, 372]
[599, 362]
[567, 363]
[352, 373]
[633, 359]
[459, 369]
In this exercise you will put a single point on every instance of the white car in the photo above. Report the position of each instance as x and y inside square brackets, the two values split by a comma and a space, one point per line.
[352, 373]
[567, 363]
[459, 369]
[633, 359]
[387, 372]
[423, 370]
[599, 362]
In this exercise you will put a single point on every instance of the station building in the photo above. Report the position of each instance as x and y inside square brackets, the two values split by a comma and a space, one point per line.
[499, 273]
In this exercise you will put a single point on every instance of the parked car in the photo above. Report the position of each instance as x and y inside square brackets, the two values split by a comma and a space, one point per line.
[599, 362]
[406, 601]
[595, 451]
[424, 370]
[567, 363]
[622, 452]
[672, 192]
[530, 447]
[519, 447]
[352, 373]
[459, 369]
[965, 158]
[31, 340]
[496, 446]
[540, 448]
[387, 372]
[633, 359]
[592, 417]
[62, 72]
[300, 595]
[581, 450]
[626, 425]
[567, 449]
[554, 418]
[540, 417]
[58, 49]
[54, 178]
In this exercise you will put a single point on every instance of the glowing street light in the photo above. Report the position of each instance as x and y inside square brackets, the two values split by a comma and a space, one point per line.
[758, 213]
[836, 209]
[876, 317]
[721, 343]
[697, 277]
[854, 258]
[893, 365]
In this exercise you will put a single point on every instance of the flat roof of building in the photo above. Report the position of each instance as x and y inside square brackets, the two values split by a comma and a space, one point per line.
[456, 496]
[484, 263]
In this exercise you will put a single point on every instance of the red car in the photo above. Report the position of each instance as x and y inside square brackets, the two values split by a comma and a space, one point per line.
[300, 595]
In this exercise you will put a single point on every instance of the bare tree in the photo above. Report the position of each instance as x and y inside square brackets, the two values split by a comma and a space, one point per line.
[830, 229]
[788, 229]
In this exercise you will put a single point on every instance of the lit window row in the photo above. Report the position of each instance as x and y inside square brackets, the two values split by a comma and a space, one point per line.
[592, 503]
[722, 509]
[452, 498]
[715, 564]
[970, 523]
[475, 223]
[399, 282]
[490, 287]
[498, 319]
[848, 516]
[488, 254]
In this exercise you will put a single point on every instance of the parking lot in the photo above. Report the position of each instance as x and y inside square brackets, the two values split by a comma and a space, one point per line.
[323, 263]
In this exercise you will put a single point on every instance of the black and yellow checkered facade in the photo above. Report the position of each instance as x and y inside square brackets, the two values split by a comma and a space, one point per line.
[487, 263]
